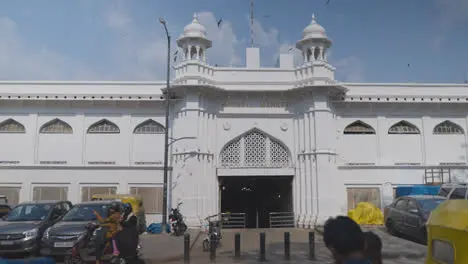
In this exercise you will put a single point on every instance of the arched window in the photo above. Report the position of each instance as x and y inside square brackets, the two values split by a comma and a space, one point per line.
[149, 127]
[448, 128]
[56, 126]
[255, 149]
[403, 127]
[358, 128]
[103, 126]
[11, 126]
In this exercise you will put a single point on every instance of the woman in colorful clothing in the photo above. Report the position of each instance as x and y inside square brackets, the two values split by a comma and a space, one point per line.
[112, 223]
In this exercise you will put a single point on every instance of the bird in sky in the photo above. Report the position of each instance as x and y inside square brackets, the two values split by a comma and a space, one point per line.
[409, 65]
[327, 2]
[219, 22]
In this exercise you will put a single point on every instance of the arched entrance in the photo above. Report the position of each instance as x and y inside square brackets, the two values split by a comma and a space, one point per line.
[257, 180]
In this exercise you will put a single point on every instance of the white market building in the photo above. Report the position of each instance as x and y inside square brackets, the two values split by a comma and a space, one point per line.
[248, 140]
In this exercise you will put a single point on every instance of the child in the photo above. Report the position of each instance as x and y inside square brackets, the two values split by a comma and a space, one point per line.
[112, 223]
[373, 247]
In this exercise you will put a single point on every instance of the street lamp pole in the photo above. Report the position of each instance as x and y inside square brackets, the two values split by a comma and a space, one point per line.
[166, 134]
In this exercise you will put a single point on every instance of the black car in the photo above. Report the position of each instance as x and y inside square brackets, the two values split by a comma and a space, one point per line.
[408, 215]
[59, 239]
[22, 228]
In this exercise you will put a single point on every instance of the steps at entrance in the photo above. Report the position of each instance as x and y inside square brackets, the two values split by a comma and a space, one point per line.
[250, 238]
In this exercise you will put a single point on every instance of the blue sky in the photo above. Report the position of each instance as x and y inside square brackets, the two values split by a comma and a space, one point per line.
[373, 40]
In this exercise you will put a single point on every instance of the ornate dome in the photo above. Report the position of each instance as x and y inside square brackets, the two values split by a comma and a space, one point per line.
[195, 29]
[314, 30]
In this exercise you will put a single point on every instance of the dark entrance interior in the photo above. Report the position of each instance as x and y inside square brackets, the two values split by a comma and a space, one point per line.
[257, 197]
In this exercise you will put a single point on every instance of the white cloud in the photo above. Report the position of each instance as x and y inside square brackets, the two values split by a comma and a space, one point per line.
[18, 62]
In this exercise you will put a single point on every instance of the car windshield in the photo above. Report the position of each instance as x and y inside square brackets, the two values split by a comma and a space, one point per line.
[84, 212]
[29, 212]
[430, 204]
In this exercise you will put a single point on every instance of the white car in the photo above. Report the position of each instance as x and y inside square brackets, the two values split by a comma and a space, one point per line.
[454, 191]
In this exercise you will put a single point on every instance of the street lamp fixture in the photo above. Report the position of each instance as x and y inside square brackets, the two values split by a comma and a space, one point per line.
[166, 134]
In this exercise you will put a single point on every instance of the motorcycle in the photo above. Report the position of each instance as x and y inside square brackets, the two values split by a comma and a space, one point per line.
[177, 221]
[84, 251]
[213, 235]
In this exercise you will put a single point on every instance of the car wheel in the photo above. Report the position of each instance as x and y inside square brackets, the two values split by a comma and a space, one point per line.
[390, 227]
[424, 235]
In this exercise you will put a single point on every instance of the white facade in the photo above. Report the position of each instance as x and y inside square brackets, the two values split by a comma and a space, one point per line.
[335, 139]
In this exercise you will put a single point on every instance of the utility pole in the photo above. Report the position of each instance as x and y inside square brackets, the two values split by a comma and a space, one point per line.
[166, 132]
[251, 23]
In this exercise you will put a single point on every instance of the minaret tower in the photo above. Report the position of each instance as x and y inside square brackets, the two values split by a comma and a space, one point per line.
[314, 43]
[194, 42]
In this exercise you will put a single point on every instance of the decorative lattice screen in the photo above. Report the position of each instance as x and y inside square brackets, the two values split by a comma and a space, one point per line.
[255, 150]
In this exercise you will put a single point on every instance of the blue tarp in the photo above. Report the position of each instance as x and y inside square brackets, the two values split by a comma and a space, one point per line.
[29, 261]
[416, 190]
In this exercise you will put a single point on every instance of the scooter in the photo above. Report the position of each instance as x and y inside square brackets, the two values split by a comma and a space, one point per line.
[177, 221]
[213, 235]
[84, 250]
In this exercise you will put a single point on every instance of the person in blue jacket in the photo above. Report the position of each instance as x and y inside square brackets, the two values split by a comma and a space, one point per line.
[345, 240]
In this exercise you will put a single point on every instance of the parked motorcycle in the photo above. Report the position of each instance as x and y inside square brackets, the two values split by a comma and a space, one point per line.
[177, 221]
[214, 233]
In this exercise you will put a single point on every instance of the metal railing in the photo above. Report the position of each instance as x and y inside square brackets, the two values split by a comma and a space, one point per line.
[233, 220]
[281, 219]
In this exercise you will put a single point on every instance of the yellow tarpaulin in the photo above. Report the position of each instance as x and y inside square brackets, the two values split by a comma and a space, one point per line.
[366, 214]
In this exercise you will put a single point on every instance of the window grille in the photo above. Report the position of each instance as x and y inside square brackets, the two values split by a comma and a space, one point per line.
[9, 162]
[448, 128]
[48, 193]
[358, 195]
[56, 126]
[104, 127]
[11, 126]
[149, 127]
[53, 162]
[403, 128]
[101, 162]
[358, 128]
[255, 150]
[152, 196]
[88, 192]
[12, 194]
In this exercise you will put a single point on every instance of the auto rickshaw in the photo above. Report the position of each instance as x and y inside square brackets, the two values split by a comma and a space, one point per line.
[134, 200]
[447, 233]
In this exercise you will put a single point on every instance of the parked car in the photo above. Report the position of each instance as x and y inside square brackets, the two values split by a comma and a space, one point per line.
[453, 191]
[408, 215]
[22, 228]
[59, 239]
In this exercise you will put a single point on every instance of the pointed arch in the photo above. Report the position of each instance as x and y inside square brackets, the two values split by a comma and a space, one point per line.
[103, 126]
[359, 128]
[403, 128]
[448, 128]
[149, 127]
[56, 126]
[255, 149]
[11, 126]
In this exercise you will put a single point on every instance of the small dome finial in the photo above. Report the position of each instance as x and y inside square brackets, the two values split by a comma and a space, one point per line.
[313, 18]
[195, 16]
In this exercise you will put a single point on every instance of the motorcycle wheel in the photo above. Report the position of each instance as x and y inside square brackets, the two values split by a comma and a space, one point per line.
[206, 245]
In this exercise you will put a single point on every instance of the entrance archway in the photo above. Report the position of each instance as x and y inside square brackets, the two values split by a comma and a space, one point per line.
[259, 197]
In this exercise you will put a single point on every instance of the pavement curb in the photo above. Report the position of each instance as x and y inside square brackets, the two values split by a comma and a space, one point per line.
[385, 254]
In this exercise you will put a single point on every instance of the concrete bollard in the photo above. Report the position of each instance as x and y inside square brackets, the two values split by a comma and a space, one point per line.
[287, 246]
[311, 245]
[262, 247]
[187, 248]
[237, 245]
